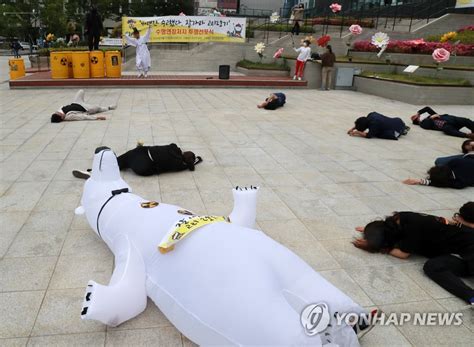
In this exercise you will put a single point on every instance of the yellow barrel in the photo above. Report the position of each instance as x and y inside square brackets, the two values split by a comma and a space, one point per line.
[97, 64]
[80, 64]
[59, 65]
[69, 64]
[17, 68]
[113, 64]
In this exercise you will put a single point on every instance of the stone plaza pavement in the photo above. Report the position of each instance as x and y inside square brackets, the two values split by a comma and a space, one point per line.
[317, 185]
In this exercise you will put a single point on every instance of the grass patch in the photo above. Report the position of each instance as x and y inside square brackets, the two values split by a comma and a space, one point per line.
[466, 37]
[281, 27]
[251, 65]
[355, 60]
[415, 79]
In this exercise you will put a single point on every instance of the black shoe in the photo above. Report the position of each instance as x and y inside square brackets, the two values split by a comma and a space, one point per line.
[362, 328]
[406, 130]
[81, 174]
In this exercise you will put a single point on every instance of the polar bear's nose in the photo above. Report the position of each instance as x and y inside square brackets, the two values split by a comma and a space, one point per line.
[100, 149]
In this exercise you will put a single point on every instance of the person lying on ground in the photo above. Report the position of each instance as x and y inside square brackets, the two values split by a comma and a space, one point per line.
[379, 126]
[152, 160]
[457, 173]
[449, 246]
[273, 102]
[428, 119]
[465, 215]
[467, 148]
[79, 110]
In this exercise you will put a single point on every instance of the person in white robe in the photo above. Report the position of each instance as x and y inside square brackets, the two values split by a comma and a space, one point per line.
[143, 60]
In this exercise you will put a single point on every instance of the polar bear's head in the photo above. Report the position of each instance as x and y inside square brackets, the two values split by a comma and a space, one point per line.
[105, 178]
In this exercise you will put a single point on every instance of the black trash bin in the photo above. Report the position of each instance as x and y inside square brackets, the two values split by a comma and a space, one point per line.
[224, 72]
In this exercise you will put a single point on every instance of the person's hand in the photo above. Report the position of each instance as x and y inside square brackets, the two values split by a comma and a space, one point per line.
[101, 118]
[412, 181]
[349, 132]
[360, 229]
[435, 116]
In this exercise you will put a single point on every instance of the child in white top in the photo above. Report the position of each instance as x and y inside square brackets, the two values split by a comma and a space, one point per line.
[143, 60]
[303, 56]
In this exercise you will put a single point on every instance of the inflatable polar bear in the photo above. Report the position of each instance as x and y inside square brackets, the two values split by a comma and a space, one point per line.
[225, 284]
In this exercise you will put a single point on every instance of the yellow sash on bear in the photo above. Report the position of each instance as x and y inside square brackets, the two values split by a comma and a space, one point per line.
[183, 228]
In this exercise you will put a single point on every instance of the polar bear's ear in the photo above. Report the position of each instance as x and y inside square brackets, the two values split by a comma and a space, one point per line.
[105, 167]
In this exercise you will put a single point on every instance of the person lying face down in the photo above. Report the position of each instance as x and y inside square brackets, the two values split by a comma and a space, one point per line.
[428, 119]
[153, 160]
[467, 149]
[273, 102]
[456, 173]
[437, 238]
[378, 126]
[79, 110]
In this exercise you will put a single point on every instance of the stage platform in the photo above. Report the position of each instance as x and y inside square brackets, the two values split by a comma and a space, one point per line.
[43, 79]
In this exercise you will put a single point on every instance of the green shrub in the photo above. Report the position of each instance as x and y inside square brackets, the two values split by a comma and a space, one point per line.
[465, 37]
[251, 65]
[47, 51]
[281, 27]
[416, 79]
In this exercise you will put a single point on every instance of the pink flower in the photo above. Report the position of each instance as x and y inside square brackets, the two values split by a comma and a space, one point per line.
[415, 42]
[355, 29]
[182, 14]
[335, 8]
[278, 53]
[441, 55]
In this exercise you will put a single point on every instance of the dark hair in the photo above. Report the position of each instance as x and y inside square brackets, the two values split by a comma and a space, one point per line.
[464, 144]
[329, 47]
[56, 118]
[416, 120]
[441, 176]
[362, 123]
[467, 211]
[301, 5]
[272, 105]
[380, 236]
[135, 31]
[308, 42]
[189, 158]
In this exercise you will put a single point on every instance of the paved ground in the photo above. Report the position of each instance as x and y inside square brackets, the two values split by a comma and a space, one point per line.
[317, 185]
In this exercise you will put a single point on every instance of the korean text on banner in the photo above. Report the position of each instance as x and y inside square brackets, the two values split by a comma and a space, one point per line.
[464, 3]
[188, 28]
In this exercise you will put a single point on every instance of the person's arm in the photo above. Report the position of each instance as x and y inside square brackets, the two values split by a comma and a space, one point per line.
[297, 50]
[428, 109]
[398, 253]
[350, 130]
[358, 133]
[130, 40]
[146, 38]
[73, 116]
[417, 181]
[262, 105]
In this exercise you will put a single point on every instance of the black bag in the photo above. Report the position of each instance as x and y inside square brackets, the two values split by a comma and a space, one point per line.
[315, 56]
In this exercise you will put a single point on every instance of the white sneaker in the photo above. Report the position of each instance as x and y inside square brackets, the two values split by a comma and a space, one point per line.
[146, 74]
[140, 74]
[299, 78]
[294, 77]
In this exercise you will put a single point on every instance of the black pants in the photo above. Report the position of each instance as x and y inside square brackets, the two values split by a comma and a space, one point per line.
[138, 160]
[453, 124]
[445, 270]
[93, 40]
[296, 28]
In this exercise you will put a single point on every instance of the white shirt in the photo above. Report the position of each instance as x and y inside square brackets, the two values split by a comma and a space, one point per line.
[304, 53]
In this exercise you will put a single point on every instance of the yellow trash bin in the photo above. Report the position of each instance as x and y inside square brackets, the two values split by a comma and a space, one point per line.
[97, 64]
[80, 64]
[17, 68]
[59, 65]
[113, 64]
[69, 64]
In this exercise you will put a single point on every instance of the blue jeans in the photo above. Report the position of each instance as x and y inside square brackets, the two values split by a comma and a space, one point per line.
[445, 160]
